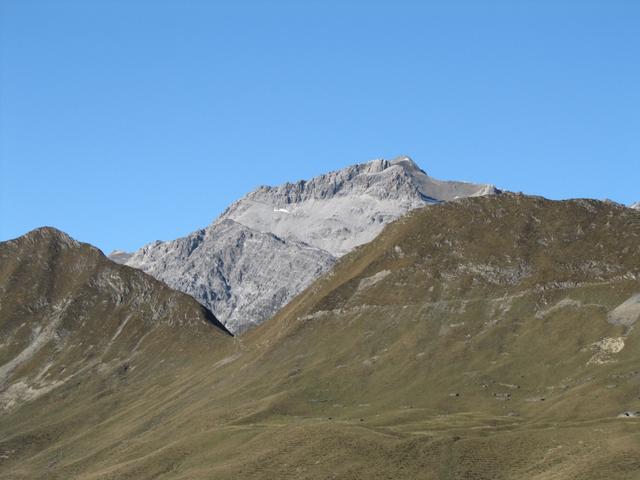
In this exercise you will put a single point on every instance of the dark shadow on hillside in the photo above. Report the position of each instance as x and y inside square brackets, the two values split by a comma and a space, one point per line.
[211, 318]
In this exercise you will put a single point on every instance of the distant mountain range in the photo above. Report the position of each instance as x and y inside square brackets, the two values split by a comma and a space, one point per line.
[120, 256]
[272, 243]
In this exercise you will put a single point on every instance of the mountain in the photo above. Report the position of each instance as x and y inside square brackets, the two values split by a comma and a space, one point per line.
[490, 337]
[68, 313]
[341, 210]
[119, 256]
[245, 274]
[635, 205]
[271, 244]
[487, 338]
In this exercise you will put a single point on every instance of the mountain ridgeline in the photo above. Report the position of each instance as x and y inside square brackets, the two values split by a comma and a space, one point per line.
[482, 338]
[271, 244]
[68, 313]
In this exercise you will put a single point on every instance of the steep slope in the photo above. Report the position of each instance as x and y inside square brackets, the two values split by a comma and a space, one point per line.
[245, 274]
[314, 222]
[486, 338]
[635, 205]
[484, 278]
[67, 313]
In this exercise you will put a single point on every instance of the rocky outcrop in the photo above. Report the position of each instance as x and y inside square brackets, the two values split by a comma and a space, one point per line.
[244, 275]
[341, 210]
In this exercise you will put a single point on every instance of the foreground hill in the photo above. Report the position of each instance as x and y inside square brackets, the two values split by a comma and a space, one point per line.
[271, 244]
[67, 311]
[485, 338]
[76, 327]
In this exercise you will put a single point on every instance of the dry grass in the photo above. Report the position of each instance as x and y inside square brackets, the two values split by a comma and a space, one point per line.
[471, 359]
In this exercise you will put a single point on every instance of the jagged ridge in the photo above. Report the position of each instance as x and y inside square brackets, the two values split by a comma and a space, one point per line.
[296, 232]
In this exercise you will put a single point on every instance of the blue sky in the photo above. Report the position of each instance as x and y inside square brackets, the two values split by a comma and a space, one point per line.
[122, 122]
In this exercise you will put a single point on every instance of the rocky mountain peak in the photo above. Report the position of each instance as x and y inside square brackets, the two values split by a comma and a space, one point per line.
[345, 208]
[400, 178]
[407, 163]
[43, 235]
[269, 245]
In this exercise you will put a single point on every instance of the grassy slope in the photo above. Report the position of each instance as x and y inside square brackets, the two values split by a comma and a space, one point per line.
[469, 351]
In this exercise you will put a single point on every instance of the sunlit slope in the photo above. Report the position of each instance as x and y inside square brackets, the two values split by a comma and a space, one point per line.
[83, 341]
[505, 321]
[508, 302]
[488, 338]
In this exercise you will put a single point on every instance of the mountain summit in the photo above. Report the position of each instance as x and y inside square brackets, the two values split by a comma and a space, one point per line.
[272, 243]
[346, 208]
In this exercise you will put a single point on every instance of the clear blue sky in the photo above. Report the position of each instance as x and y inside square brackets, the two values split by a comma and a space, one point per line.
[126, 121]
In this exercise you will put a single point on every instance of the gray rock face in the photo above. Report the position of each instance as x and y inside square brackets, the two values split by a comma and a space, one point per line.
[272, 243]
[245, 275]
[341, 210]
